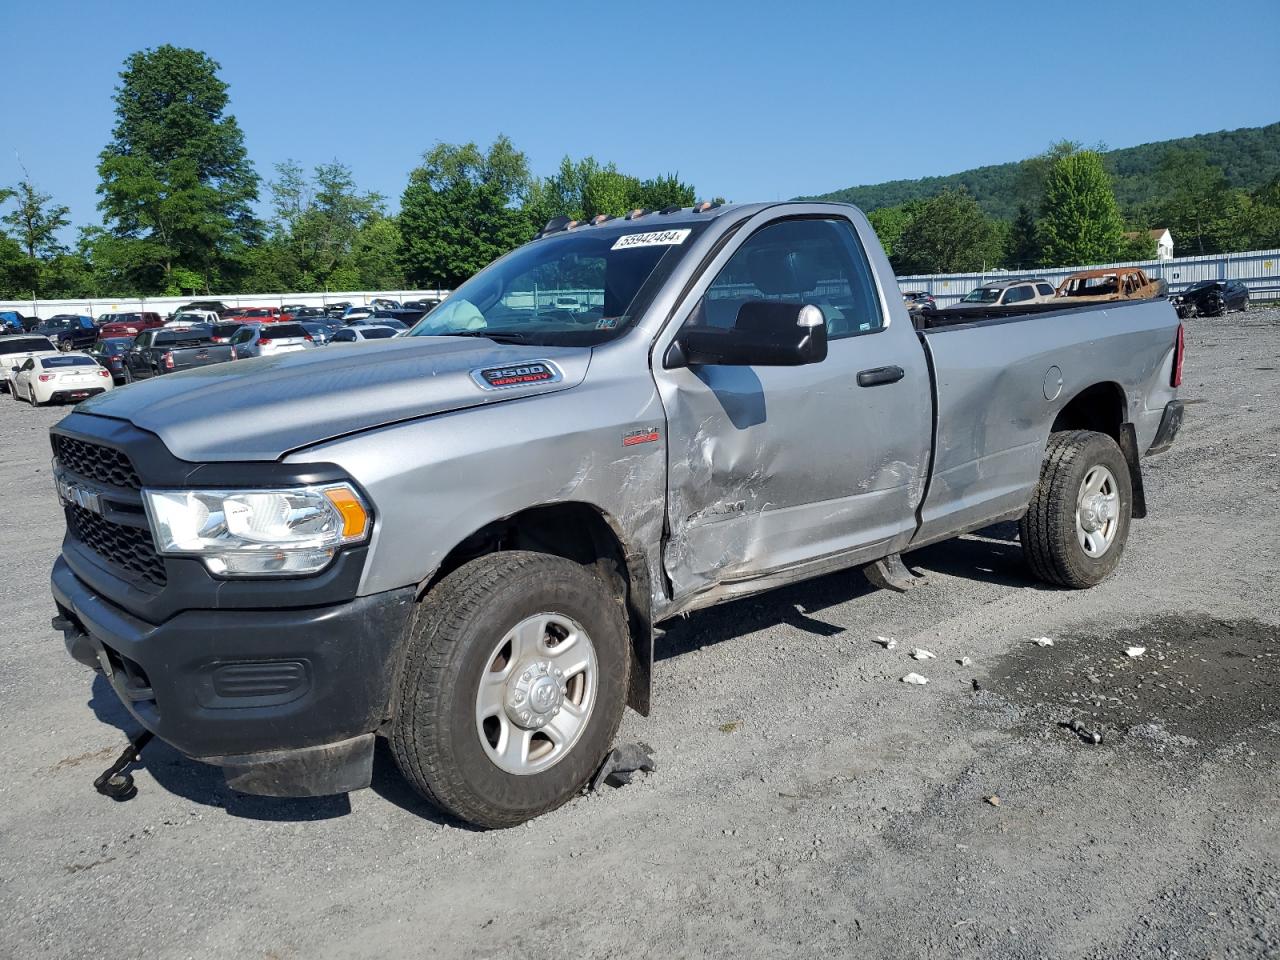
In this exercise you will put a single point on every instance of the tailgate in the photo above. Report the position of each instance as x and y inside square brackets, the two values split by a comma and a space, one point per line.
[201, 356]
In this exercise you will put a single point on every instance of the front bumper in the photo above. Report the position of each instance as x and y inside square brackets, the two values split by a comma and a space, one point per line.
[286, 701]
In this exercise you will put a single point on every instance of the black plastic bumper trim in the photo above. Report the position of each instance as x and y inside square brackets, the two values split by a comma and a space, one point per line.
[1170, 424]
[348, 651]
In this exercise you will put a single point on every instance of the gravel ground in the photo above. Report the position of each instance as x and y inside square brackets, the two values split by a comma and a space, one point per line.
[807, 803]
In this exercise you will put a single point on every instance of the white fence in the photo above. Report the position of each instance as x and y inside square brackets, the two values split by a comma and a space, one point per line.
[1259, 269]
[165, 305]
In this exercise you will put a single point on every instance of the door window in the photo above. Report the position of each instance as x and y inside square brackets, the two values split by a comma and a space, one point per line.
[1044, 289]
[1018, 294]
[809, 261]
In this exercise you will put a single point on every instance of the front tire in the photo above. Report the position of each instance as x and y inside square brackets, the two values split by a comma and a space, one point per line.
[514, 685]
[1076, 525]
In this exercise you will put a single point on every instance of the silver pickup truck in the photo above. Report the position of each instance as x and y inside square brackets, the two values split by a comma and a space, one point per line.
[461, 539]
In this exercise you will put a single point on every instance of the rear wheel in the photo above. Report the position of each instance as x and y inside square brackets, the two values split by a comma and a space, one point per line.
[1076, 525]
[514, 685]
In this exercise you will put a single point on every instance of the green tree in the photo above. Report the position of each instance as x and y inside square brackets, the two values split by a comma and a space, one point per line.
[665, 191]
[1079, 220]
[462, 209]
[1022, 246]
[317, 220]
[34, 219]
[948, 233]
[889, 224]
[1198, 205]
[176, 182]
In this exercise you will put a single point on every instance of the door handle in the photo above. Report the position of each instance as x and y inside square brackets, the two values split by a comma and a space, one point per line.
[878, 375]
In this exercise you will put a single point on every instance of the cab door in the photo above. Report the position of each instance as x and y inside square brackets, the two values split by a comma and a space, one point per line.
[771, 468]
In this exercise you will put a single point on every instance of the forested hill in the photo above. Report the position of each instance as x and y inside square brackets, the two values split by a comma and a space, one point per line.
[1250, 157]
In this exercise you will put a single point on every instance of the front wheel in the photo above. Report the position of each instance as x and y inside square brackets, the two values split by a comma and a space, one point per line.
[64, 346]
[513, 688]
[1076, 525]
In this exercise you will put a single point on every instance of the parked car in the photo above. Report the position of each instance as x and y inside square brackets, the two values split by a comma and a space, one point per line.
[110, 354]
[918, 300]
[1005, 293]
[269, 339]
[171, 349]
[321, 333]
[559, 486]
[129, 324]
[380, 320]
[356, 313]
[360, 332]
[382, 303]
[16, 350]
[192, 318]
[223, 332]
[292, 309]
[426, 305]
[308, 313]
[337, 309]
[195, 306]
[10, 322]
[69, 331]
[60, 378]
[1112, 283]
[260, 315]
[1212, 298]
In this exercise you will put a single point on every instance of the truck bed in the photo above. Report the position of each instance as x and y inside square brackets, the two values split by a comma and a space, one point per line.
[989, 439]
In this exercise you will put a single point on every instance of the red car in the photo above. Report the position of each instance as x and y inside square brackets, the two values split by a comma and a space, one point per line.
[257, 315]
[129, 324]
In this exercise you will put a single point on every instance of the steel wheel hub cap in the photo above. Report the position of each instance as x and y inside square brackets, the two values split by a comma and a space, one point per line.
[1097, 511]
[537, 693]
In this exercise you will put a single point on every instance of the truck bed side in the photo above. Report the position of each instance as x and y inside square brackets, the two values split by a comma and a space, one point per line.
[1000, 384]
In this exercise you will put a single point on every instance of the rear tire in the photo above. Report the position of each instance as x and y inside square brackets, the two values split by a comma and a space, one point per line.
[460, 639]
[1074, 531]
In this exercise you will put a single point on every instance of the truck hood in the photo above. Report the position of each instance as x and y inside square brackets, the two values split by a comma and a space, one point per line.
[263, 408]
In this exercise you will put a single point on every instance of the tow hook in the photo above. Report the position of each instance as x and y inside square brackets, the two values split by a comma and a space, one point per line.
[114, 782]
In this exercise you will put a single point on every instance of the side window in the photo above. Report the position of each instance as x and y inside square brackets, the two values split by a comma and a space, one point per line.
[1018, 294]
[817, 262]
[1044, 289]
[344, 336]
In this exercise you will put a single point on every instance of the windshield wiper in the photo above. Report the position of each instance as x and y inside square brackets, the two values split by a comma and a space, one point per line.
[497, 336]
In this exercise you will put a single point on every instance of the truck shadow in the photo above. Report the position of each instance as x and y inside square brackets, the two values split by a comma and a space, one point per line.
[990, 555]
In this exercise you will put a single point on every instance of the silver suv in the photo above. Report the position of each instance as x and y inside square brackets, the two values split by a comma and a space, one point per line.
[268, 339]
[1007, 293]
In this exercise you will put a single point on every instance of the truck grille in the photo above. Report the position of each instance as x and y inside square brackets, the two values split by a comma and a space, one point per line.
[95, 462]
[127, 547]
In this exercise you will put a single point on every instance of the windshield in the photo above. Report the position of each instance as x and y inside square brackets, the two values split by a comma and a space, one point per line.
[26, 345]
[576, 289]
[983, 295]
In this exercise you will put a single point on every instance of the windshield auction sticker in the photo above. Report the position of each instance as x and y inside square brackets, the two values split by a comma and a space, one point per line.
[657, 238]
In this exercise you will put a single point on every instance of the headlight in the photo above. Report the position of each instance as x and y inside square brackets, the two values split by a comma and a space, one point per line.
[254, 533]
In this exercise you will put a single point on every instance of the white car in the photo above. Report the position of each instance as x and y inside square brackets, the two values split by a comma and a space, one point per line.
[18, 349]
[57, 379]
[364, 332]
[191, 318]
[269, 339]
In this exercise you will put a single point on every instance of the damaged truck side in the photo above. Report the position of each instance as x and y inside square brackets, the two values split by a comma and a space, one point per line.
[461, 539]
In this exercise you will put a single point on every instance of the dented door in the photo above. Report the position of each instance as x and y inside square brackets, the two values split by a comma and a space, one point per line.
[771, 467]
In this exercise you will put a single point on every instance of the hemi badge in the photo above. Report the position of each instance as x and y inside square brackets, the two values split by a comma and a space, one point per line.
[645, 435]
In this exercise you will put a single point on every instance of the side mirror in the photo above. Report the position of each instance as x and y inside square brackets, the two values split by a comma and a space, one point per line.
[765, 334]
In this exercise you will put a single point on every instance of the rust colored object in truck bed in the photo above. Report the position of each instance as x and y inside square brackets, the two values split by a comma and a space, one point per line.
[1112, 283]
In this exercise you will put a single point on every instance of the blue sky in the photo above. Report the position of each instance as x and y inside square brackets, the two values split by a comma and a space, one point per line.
[747, 100]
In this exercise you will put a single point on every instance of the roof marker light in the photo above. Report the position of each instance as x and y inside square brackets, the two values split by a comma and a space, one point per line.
[637, 213]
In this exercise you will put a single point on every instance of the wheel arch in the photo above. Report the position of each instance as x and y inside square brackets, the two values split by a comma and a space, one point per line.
[1100, 407]
[586, 534]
